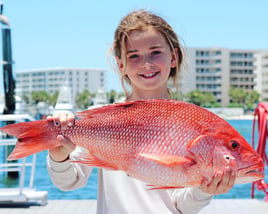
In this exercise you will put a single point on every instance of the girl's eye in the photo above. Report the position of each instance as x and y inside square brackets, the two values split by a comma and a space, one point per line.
[156, 52]
[133, 56]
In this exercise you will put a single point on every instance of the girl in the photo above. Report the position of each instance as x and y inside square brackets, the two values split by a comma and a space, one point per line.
[148, 54]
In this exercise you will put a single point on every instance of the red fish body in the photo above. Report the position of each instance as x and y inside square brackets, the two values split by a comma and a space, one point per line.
[165, 143]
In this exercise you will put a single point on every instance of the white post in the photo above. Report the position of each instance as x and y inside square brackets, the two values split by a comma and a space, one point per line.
[22, 175]
[32, 171]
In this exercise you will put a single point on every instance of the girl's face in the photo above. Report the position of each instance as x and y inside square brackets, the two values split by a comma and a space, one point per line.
[148, 63]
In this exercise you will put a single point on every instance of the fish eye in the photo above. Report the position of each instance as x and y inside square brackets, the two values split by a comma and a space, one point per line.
[234, 145]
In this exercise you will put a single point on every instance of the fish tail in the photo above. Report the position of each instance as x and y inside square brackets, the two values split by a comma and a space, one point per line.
[33, 137]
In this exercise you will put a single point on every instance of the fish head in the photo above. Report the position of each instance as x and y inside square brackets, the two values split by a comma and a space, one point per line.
[220, 146]
[234, 151]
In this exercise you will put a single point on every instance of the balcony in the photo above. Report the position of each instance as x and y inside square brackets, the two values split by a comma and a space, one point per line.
[209, 82]
[265, 62]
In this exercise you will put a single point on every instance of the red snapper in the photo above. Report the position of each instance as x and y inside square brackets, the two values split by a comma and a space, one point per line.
[165, 143]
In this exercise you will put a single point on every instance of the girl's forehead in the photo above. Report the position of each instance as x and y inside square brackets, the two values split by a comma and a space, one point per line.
[145, 36]
[149, 31]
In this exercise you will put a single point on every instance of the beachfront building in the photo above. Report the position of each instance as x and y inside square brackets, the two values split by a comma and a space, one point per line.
[53, 79]
[216, 70]
[261, 72]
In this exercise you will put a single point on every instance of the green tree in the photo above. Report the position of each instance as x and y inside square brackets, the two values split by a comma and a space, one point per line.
[204, 99]
[26, 98]
[252, 99]
[237, 95]
[40, 96]
[195, 97]
[83, 100]
[112, 95]
[43, 96]
[175, 95]
[209, 100]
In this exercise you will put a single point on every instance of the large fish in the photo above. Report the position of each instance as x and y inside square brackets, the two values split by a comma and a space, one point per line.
[165, 143]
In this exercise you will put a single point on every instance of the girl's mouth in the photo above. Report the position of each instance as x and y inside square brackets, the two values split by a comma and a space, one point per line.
[149, 75]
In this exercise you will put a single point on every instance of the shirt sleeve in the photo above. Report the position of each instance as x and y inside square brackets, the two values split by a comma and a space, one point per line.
[191, 200]
[67, 175]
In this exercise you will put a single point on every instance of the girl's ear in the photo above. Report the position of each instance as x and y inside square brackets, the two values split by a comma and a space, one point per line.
[174, 58]
[120, 64]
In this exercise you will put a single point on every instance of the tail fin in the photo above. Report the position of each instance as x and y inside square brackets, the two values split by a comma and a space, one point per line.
[33, 137]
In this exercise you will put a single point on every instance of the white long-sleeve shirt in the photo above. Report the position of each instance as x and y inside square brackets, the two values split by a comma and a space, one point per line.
[121, 194]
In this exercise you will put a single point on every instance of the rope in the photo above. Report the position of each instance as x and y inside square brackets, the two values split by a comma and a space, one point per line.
[261, 112]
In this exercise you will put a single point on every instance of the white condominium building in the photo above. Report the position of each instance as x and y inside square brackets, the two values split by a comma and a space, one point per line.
[216, 70]
[261, 71]
[52, 79]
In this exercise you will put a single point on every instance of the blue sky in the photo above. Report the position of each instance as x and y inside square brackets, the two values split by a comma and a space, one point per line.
[77, 33]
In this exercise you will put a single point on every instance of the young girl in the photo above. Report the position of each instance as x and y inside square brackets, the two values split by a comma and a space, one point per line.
[148, 54]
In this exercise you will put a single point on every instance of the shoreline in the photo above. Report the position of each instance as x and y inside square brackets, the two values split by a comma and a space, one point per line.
[238, 117]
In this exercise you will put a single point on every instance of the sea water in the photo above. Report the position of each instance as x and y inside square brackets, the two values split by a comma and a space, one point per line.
[43, 182]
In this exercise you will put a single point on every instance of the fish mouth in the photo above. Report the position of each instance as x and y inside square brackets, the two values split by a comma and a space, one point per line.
[256, 171]
[249, 174]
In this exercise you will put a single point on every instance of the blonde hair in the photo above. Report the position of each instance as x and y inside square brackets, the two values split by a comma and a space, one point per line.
[140, 20]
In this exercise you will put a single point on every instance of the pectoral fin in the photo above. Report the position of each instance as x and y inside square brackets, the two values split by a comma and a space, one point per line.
[202, 145]
[153, 187]
[196, 141]
[90, 160]
[168, 160]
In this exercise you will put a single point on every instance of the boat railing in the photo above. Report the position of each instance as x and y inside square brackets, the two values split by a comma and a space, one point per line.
[22, 194]
[19, 167]
[261, 118]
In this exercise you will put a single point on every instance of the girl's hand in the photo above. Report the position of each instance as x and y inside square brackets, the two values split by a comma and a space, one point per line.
[63, 120]
[221, 183]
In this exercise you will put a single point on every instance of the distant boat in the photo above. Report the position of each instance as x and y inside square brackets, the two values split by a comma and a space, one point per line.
[64, 101]
[100, 99]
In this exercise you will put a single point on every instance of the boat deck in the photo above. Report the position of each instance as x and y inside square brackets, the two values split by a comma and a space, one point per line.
[235, 206]
[217, 206]
[14, 196]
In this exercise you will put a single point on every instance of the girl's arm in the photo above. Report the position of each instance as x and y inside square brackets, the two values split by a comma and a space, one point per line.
[64, 174]
[192, 200]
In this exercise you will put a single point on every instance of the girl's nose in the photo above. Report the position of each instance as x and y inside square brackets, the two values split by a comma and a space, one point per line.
[147, 62]
[147, 65]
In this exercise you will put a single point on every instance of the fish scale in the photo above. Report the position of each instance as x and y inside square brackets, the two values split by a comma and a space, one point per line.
[165, 143]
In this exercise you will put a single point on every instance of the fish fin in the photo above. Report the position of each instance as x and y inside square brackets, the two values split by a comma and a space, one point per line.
[168, 160]
[89, 160]
[201, 138]
[33, 137]
[25, 129]
[94, 112]
[90, 113]
[98, 111]
[153, 187]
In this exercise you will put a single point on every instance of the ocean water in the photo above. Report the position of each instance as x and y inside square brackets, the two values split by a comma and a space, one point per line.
[43, 182]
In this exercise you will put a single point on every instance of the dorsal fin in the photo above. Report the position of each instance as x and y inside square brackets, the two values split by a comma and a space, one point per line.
[93, 112]
[90, 113]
